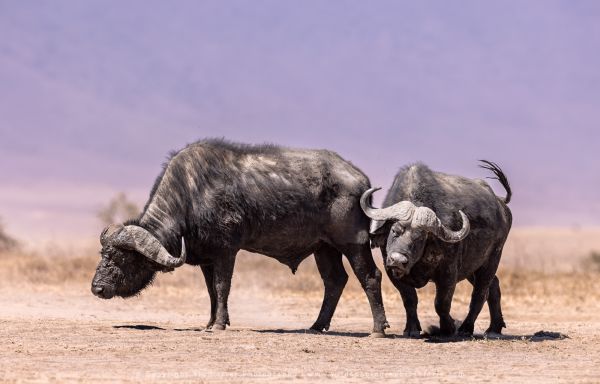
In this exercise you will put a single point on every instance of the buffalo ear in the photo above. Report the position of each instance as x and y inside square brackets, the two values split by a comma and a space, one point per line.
[378, 232]
[377, 227]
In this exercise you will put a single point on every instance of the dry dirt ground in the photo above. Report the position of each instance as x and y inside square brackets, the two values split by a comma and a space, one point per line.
[53, 329]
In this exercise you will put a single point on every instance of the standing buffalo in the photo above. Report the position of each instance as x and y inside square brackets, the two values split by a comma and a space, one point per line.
[214, 198]
[414, 232]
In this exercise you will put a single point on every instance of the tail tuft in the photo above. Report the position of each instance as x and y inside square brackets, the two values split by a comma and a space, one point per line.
[500, 176]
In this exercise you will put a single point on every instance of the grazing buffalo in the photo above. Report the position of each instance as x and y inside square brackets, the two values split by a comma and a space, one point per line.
[214, 198]
[443, 228]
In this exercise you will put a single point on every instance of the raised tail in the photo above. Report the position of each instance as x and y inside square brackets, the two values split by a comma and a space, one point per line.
[500, 176]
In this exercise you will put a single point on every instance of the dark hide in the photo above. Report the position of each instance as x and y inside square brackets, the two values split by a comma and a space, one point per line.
[474, 258]
[284, 203]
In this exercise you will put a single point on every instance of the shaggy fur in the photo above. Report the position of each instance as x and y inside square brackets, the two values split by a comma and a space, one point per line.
[284, 203]
[475, 258]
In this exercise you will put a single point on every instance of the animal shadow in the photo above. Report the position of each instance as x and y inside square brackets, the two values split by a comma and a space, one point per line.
[310, 332]
[191, 330]
[139, 327]
[144, 327]
[536, 337]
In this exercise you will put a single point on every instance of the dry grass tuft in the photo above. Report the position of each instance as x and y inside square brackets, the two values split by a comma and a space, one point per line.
[526, 279]
[546, 288]
[21, 267]
[592, 262]
[7, 242]
[267, 276]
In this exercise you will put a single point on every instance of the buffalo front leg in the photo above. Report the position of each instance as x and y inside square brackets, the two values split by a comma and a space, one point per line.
[208, 272]
[369, 276]
[410, 301]
[223, 271]
[331, 269]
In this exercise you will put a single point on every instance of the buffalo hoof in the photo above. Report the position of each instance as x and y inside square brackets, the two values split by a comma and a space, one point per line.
[320, 328]
[414, 334]
[412, 329]
[377, 335]
[493, 331]
[465, 330]
[314, 331]
[496, 328]
[447, 329]
[218, 327]
[493, 335]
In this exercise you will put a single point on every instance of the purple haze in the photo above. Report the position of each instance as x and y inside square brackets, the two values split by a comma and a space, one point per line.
[95, 94]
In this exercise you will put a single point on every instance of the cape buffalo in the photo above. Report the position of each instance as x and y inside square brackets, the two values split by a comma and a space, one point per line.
[214, 198]
[414, 232]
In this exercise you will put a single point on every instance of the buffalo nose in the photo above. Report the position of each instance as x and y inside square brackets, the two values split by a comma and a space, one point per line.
[398, 259]
[96, 289]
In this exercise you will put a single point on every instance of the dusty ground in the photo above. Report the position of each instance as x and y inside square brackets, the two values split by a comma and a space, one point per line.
[53, 329]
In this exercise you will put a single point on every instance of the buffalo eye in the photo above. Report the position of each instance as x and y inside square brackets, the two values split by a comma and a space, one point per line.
[397, 230]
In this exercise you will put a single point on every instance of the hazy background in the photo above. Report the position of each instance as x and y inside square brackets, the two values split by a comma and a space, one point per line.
[94, 94]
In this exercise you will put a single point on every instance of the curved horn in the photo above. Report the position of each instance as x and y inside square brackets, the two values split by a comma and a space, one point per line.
[109, 232]
[400, 211]
[451, 236]
[371, 212]
[426, 218]
[139, 239]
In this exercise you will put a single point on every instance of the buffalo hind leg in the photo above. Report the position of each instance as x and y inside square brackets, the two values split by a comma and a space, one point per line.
[496, 318]
[223, 272]
[482, 280]
[369, 276]
[493, 300]
[331, 269]
[444, 291]
[208, 272]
